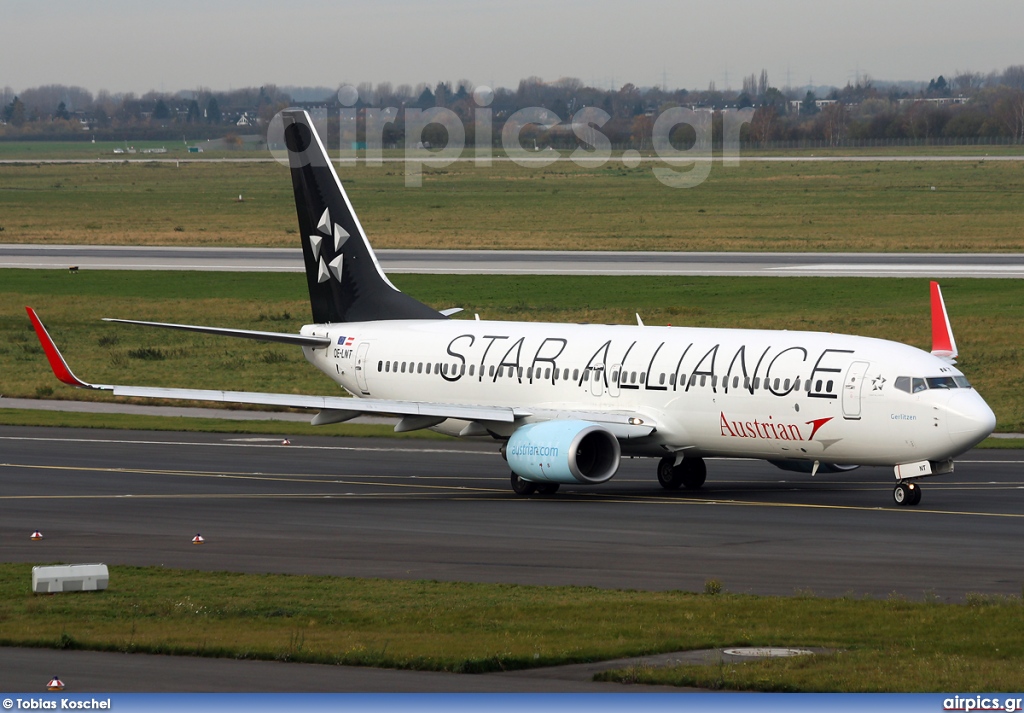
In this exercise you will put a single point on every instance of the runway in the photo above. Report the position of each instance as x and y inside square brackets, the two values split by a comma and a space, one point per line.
[525, 262]
[443, 510]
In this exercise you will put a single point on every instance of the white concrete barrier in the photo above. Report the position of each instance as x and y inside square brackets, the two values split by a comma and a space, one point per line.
[70, 578]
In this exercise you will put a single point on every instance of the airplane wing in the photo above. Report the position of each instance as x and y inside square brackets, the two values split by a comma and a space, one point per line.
[282, 338]
[335, 409]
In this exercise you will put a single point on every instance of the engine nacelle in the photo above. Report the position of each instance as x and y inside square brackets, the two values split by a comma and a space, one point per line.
[806, 466]
[563, 452]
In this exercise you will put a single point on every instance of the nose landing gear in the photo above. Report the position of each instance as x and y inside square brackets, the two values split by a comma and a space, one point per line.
[906, 494]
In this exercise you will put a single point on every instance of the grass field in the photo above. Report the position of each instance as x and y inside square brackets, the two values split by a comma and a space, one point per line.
[889, 645]
[987, 316]
[872, 206]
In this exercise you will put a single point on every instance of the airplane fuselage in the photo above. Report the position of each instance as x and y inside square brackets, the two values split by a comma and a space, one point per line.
[803, 396]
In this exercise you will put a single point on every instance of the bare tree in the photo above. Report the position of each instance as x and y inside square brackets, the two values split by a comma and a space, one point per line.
[762, 123]
[366, 93]
[833, 119]
[967, 83]
[1010, 109]
[1013, 77]
[750, 85]
[762, 83]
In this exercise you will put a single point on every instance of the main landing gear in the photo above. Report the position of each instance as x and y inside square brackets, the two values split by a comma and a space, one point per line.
[690, 473]
[907, 494]
[527, 487]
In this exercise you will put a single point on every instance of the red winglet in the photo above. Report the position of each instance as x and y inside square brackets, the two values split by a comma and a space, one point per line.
[943, 343]
[57, 363]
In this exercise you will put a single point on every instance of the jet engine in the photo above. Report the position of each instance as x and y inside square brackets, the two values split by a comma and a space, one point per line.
[563, 452]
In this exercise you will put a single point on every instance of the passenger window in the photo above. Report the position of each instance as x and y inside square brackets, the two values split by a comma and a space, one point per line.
[529, 372]
[472, 369]
[490, 370]
[555, 374]
[817, 385]
[672, 379]
[785, 385]
[828, 386]
[444, 370]
[776, 385]
[919, 385]
[428, 367]
[757, 382]
[735, 382]
[643, 377]
[796, 384]
[380, 366]
[703, 379]
[714, 380]
[520, 371]
[903, 383]
[565, 375]
[661, 380]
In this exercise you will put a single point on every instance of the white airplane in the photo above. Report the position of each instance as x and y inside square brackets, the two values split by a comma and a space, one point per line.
[566, 401]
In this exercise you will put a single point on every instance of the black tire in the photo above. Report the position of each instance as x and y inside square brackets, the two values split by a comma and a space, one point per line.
[547, 488]
[670, 477]
[915, 494]
[901, 495]
[522, 487]
[695, 472]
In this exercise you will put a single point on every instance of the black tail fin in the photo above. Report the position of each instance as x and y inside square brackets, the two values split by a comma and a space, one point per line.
[346, 283]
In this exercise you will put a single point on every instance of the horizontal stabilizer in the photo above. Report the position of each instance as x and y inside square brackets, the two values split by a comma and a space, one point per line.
[301, 340]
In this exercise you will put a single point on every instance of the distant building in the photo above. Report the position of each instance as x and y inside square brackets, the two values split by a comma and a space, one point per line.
[938, 101]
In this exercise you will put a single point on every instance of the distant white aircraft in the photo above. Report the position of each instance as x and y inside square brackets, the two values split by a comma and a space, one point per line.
[566, 401]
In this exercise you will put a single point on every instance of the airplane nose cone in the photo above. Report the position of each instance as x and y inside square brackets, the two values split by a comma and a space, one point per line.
[969, 418]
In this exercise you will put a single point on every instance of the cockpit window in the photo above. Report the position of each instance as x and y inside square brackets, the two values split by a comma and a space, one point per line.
[913, 385]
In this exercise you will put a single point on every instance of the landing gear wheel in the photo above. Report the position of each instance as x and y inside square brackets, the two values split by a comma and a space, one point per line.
[903, 494]
[691, 473]
[547, 488]
[522, 487]
[695, 472]
[670, 477]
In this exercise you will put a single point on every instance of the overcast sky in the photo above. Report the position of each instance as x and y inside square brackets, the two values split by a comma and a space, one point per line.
[184, 44]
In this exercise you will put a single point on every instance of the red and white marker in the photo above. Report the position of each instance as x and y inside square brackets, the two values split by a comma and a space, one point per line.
[286, 442]
[55, 684]
[36, 536]
[198, 540]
